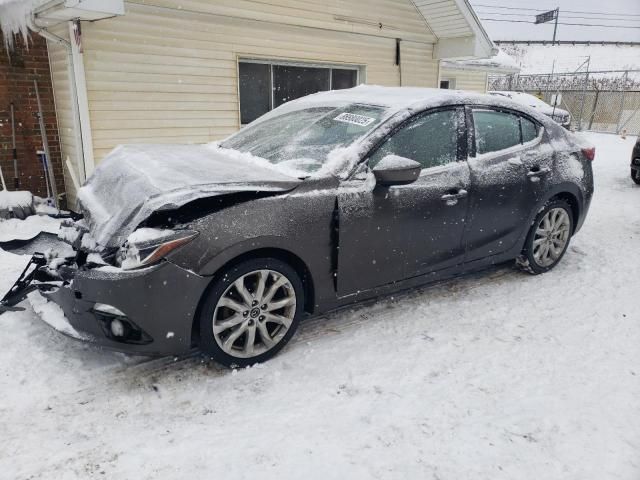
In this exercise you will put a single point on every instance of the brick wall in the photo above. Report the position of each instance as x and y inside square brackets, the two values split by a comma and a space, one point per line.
[18, 68]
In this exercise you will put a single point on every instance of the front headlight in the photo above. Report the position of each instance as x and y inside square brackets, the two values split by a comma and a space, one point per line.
[147, 246]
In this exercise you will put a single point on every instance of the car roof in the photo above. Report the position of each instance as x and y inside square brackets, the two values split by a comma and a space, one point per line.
[390, 97]
[397, 99]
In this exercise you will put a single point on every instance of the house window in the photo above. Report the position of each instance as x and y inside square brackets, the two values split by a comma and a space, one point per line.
[448, 83]
[267, 85]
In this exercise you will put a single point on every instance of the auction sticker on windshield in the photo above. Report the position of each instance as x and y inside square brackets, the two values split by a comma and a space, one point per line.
[354, 119]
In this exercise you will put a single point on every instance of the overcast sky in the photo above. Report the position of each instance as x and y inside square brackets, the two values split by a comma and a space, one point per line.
[616, 14]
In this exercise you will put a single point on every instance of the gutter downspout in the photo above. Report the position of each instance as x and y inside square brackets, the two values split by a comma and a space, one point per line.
[77, 120]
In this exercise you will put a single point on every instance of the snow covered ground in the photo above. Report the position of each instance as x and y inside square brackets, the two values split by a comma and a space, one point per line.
[499, 375]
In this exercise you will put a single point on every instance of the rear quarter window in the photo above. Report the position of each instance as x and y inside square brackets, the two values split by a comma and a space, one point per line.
[529, 130]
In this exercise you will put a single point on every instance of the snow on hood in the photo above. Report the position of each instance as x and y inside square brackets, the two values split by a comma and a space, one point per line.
[134, 181]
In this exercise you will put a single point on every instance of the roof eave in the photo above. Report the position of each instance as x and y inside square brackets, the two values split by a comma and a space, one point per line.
[476, 45]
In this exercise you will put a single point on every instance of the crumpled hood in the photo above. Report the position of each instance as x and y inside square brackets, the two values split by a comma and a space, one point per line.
[134, 181]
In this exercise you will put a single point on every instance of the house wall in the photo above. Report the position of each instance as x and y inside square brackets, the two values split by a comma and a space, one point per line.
[167, 74]
[467, 79]
[18, 69]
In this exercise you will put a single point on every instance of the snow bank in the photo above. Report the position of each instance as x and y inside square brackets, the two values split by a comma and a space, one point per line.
[30, 227]
[567, 58]
[10, 267]
[15, 199]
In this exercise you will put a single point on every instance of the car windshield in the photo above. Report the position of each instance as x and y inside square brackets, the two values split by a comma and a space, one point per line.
[301, 140]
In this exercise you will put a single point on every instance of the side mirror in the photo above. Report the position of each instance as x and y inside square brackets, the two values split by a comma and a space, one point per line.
[395, 170]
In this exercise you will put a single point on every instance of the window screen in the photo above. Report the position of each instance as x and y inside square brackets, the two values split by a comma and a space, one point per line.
[495, 130]
[255, 90]
[430, 140]
[529, 130]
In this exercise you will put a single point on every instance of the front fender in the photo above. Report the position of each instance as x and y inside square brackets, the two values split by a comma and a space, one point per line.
[298, 224]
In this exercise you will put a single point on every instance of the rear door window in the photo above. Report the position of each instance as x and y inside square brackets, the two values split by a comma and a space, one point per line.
[495, 130]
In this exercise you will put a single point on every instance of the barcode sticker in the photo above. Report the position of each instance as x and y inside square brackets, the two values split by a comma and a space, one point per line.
[354, 119]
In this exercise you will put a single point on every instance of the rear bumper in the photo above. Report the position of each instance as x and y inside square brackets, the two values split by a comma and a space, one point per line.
[583, 213]
[161, 301]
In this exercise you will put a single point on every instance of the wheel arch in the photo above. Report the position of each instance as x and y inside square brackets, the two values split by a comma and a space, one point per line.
[282, 254]
[567, 192]
[573, 202]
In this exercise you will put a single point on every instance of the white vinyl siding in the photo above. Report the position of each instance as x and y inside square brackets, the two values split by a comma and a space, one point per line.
[170, 75]
[466, 79]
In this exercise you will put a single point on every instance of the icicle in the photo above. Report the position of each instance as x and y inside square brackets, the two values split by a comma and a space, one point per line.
[14, 15]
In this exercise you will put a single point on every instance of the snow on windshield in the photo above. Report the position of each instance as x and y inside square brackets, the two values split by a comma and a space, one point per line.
[302, 140]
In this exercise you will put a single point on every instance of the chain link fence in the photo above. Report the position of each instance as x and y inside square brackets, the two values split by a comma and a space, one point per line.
[601, 101]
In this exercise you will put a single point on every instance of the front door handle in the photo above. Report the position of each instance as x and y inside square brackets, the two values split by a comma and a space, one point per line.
[451, 198]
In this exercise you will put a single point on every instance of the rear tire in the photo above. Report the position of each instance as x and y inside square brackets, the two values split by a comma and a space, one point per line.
[251, 312]
[548, 238]
[635, 176]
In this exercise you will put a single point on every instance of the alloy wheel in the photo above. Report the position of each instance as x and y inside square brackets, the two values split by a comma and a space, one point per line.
[254, 313]
[551, 237]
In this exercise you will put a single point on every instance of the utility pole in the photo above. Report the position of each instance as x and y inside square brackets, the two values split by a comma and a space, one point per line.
[587, 62]
[547, 17]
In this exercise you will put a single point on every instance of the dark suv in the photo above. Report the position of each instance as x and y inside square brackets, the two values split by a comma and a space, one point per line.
[635, 162]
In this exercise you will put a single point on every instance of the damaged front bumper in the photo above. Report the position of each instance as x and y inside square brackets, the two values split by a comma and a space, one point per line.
[148, 311]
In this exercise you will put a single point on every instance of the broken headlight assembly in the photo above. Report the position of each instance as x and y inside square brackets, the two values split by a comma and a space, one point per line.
[147, 246]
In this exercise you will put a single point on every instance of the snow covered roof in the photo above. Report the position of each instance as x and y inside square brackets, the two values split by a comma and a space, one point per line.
[500, 63]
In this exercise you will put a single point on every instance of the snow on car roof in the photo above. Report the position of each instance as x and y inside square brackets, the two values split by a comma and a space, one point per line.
[394, 99]
[391, 97]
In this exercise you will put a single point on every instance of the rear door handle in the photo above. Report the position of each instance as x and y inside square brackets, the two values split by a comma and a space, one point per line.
[536, 172]
[451, 199]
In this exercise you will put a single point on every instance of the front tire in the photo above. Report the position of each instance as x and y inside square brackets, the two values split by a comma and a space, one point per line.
[548, 238]
[251, 312]
[635, 176]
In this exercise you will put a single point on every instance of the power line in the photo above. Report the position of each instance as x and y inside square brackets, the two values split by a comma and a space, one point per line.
[563, 11]
[563, 16]
[568, 42]
[559, 23]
